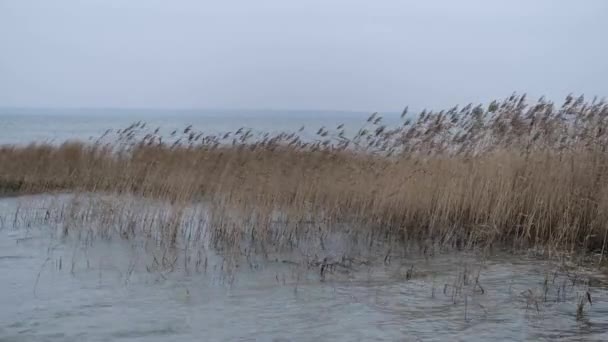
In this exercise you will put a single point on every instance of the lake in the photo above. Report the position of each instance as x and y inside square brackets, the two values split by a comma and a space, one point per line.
[74, 288]
[23, 126]
[58, 288]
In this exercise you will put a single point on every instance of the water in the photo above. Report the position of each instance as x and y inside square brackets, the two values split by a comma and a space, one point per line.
[23, 126]
[60, 289]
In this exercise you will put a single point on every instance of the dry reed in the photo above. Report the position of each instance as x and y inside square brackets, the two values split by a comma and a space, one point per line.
[512, 173]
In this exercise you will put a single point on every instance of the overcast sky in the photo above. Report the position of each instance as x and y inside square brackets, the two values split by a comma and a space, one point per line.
[313, 54]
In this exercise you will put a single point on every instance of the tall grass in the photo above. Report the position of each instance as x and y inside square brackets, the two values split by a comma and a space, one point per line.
[513, 173]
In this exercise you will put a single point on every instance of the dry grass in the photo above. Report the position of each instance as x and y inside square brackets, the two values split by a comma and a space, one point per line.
[514, 174]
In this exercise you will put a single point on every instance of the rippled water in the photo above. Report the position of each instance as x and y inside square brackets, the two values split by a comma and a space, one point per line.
[59, 289]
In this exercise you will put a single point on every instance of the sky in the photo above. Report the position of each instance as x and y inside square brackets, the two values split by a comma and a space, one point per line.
[313, 54]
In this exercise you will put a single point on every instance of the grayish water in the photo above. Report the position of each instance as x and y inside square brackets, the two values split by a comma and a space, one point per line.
[23, 126]
[59, 289]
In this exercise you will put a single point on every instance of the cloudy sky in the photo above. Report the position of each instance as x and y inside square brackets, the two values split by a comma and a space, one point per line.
[313, 54]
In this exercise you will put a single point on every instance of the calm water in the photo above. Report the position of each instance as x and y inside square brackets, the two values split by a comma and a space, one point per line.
[22, 126]
[59, 289]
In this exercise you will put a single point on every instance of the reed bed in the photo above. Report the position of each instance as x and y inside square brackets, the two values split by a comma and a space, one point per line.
[514, 173]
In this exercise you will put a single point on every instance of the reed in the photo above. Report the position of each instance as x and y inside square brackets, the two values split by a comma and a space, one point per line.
[513, 173]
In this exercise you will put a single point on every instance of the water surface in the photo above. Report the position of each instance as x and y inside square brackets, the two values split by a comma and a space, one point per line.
[54, 288]
[23, 126]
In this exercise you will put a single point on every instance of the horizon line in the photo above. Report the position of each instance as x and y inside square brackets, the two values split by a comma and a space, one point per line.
[220, 109]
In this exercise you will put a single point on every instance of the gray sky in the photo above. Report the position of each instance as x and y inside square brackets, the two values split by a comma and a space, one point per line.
[313, 54]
